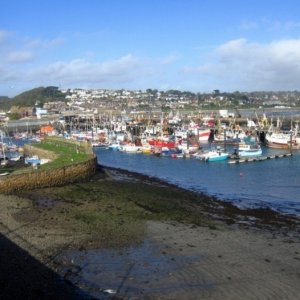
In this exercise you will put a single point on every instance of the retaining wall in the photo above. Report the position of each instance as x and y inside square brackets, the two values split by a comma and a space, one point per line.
[37, 178]
[47, 178]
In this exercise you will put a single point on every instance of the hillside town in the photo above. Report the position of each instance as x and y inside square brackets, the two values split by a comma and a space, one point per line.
[149, 104]
[105, 117]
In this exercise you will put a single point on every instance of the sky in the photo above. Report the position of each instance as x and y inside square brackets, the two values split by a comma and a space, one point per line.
[188, 45]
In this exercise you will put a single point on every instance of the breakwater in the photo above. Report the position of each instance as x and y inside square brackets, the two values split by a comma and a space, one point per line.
[56, 176]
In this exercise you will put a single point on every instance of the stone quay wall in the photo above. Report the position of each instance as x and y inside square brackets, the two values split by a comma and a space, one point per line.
[47, 178]
[39, 178]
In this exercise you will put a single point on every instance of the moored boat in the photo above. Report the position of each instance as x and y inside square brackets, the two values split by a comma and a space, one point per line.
[203, 134]
[161, 143]
[32, 160]
[131, 148]
[170, 151]
[146, 148]
[213, 155]
[282, 140]
[247, 150]
[217, 156]
[114, 146]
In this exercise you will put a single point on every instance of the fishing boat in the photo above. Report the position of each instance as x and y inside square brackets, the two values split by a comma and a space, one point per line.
[217, 155]
[186, 147]
[131, 148]
[230, 136]
[170, 151]
[162, 143]
[114, 145]
[214, 155]
[101, 145]
[282, 140]
[247, 150]
[203, 134]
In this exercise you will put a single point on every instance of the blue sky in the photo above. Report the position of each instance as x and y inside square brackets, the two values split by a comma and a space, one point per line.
[193, 45]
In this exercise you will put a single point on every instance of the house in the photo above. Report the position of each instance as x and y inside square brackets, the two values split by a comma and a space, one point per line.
[47, 130]
[40, 112]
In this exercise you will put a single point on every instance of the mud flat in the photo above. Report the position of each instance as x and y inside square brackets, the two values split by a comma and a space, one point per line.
[126, 236]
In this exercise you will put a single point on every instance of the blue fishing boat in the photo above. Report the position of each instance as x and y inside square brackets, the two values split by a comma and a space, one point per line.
[214, 155]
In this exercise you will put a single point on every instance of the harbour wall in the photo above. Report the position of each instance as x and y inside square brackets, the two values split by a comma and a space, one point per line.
[48, 178]
[39, 178]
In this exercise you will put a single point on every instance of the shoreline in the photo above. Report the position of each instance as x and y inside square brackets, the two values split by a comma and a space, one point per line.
[218, 207]
[231, 253]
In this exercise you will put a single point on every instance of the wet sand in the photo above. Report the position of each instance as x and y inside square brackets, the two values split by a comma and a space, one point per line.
[252, 254]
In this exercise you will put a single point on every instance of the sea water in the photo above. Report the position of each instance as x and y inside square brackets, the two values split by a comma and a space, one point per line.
[273, 183]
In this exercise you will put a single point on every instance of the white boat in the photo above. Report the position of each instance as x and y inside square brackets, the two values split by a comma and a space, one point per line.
[282, 140]
[114, 146]
[15, 158]
[247, 150]
[4, 162]
[279, 139]
[188, 148]
[231, 136]
[100, 145]
[131, 148]
[32, 160]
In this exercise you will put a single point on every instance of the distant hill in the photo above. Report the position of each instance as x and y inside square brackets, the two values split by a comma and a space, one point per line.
[3, 98]
[38, 96]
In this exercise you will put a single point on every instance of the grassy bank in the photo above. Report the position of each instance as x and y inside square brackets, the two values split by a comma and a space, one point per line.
[67, 163]
[65, 152]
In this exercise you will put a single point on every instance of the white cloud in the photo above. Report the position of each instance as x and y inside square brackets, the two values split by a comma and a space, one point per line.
[4, 34]
[22, 56]
[170, 59]
[38, 43]
[79, 71]
[243, 65]
[238, 64]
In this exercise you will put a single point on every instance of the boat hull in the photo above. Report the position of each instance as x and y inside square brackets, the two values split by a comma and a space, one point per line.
[250, 153]
[161, 144]
[221, 157]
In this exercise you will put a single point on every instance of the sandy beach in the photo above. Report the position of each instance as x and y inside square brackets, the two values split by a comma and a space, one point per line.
[232, 254]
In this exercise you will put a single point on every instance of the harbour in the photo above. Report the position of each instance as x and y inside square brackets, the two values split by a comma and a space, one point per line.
[172, 149]
[150, 150]
[272, 183]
